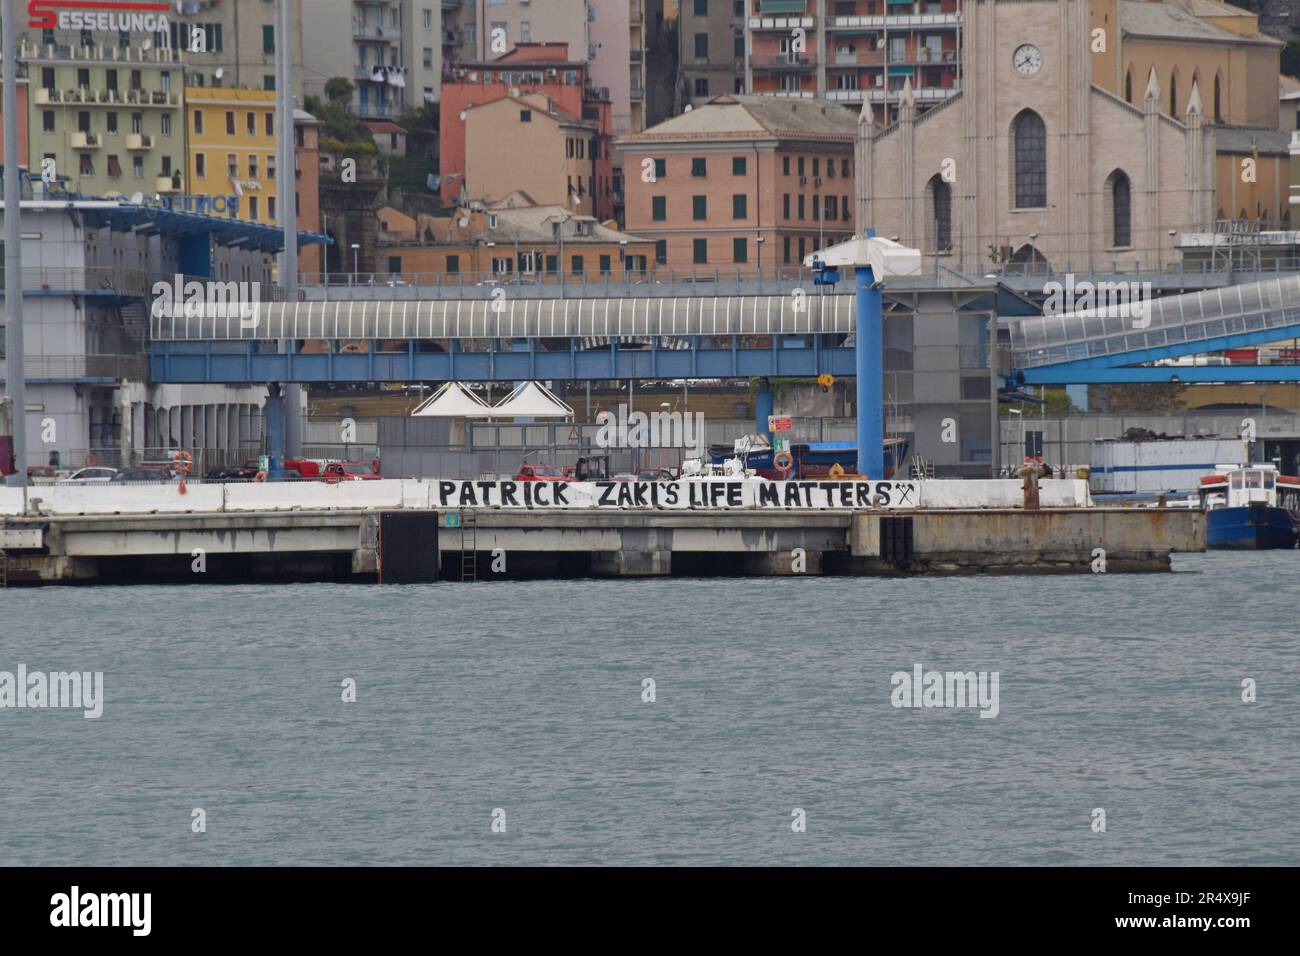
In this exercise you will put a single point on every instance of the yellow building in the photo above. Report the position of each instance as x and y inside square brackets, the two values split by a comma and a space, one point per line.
[230, 151]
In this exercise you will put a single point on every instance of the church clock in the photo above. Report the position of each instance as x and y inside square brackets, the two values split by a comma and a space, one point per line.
[1027, 59]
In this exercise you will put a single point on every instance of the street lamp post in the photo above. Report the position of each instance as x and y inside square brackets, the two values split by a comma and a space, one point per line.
[356, 253]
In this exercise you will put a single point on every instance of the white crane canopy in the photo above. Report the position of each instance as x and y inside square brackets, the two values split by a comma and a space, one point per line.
[888, 259]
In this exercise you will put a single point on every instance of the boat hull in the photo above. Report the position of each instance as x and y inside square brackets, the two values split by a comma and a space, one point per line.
[1257, 527]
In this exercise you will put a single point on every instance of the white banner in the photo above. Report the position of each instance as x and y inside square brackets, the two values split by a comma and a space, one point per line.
[660, 495]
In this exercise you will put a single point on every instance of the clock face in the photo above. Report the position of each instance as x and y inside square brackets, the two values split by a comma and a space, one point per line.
[1027, 59]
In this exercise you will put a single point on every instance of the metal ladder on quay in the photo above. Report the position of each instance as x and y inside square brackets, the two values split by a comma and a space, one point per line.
[4, 569]
[469, 546]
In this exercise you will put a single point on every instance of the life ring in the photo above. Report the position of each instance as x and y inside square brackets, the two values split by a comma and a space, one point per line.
[260, 477]
[183, 462]
[836, 471]
[783, 460]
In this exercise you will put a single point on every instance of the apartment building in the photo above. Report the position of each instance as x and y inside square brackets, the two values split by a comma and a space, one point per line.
[532, 242]
[711, 50]
[231, 148]
[485, 29]
[422, 50]
[107, 111]
[390, 51]
[235, 43]
[564, 153]
[743, 183]
[542, 68]
[609, 35]
[856, 52]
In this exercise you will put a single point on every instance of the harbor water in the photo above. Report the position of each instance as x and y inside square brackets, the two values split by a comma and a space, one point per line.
[528, 705]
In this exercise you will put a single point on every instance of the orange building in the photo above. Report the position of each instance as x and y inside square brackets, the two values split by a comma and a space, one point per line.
[526, 244]
[543, 68]
[743, 183]
[306, 133]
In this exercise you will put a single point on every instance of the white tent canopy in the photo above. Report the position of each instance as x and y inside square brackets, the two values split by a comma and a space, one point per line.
[531, 400]
[528, 400]
[453, 400]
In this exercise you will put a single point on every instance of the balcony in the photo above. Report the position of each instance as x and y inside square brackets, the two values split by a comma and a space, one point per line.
[925, 94]
[149, 98]
[138, 141]
[777, 62]
[82, 140]
[780, 24]
[860, 58]
[636, 94]
[168, 184]
[68, 53]
[364, 31]
[904, 21]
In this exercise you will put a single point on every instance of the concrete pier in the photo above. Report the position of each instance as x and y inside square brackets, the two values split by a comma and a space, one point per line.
[346, 544]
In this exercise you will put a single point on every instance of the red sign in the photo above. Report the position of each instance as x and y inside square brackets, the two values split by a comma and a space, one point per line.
[780, 424]
[107, 15]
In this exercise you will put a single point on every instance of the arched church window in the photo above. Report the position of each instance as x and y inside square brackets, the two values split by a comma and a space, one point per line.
[1029, 139]
[939, 203]
[1173, 94]
[1119, 191]
[1128, 86]
[1218, 99]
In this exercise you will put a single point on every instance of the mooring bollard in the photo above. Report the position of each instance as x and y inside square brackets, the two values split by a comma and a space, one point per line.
[1031, 490]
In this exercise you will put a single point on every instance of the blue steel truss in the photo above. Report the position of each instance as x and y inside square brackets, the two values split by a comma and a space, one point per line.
[208, 362]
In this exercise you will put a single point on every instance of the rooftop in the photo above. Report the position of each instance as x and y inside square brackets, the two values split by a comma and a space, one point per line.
[1152, 19]
[732, 116]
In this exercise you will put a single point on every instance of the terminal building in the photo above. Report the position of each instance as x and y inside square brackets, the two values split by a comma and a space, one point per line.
[90, 270]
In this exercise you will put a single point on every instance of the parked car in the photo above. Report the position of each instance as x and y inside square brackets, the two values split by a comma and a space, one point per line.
[542, 473]
[139, 474]
[245, 472]
[624, 476]
[654, 474]
[97, 474]
[337, 471]
[42, 473]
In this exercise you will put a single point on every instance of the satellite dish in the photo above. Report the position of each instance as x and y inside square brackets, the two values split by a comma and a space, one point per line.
[137, 198]
[689, 107]
[464, 221]
[146, 43]
[219, 73]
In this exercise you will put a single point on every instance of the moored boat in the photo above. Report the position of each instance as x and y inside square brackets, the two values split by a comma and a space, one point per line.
[1252, 508]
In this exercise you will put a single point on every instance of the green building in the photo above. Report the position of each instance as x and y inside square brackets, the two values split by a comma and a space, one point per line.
[108, 111]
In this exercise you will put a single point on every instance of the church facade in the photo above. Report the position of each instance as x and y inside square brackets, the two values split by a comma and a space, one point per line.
[1087, 132]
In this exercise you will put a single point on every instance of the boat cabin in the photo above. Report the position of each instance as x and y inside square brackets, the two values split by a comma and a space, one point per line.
[1239, 487]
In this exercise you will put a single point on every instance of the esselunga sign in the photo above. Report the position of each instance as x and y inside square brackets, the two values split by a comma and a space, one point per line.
[104, 15]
